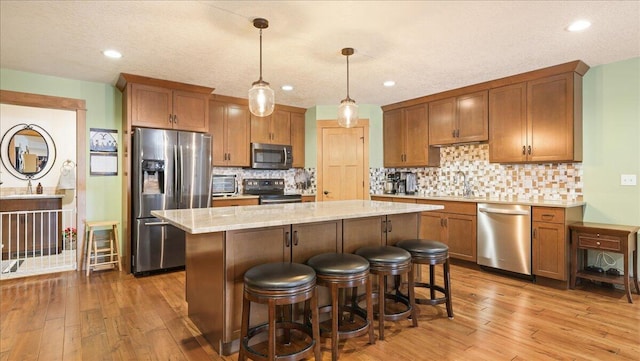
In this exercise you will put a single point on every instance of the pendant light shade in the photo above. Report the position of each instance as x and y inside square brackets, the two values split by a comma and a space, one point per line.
[348, 109]
[261, 96]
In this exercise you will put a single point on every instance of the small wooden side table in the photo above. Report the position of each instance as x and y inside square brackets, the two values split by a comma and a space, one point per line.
[604, 237]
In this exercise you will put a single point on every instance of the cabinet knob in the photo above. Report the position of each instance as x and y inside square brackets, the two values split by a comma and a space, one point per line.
[170, 119]
[529, 150]
[597, 243]
[524, 150]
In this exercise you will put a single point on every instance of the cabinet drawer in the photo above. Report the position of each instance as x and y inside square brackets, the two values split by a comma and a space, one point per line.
[548, 214]
[596, 241]
[453, 207]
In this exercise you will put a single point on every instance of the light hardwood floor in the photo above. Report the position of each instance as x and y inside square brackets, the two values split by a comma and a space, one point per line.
[112, 316]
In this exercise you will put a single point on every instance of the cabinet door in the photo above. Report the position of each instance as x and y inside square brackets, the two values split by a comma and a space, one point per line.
[393, 133]
[360, 232]
[549, 250]
[442, 121]
[472, 117]
[508, 124]
[281, 127]
[297, 139]
[151, 106]
[310, 239]
[190, 111]
[261, 129]
[416, 136]
[431, 226]
[241, 255]
[401, 227]
[550, 118]
[217, 121]
[461, 236]
[237, 143]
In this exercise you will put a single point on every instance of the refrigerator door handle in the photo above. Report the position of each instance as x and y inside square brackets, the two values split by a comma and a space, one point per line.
[175, 176]
[180, 176]
[157, 224]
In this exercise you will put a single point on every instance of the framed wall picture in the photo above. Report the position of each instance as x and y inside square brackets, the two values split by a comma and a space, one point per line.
[103, 151]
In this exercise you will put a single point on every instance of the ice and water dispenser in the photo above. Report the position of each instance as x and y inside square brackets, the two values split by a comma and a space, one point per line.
[152, 176]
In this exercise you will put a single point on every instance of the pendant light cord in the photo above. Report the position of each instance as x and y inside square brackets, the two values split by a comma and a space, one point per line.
[260, 55]
[348, 77]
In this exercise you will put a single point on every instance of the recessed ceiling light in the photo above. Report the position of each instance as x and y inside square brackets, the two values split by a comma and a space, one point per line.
[579, 25]
[389, 83]
[114, 54]
[287, 88]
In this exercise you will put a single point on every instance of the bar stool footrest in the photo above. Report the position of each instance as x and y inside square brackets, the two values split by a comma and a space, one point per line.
[305, 352]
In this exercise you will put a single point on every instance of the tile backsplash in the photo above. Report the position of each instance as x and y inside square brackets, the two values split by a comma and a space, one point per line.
[557, 181]
[548, 181]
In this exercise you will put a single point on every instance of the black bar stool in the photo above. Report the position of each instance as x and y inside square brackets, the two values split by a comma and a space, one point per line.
[424, 251]
[340, 271]
[277, 284]
[390, 261]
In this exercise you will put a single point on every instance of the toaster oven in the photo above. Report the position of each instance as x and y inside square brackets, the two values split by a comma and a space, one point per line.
[223, 185]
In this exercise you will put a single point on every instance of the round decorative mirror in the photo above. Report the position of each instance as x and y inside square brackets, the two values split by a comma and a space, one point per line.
[28, 151]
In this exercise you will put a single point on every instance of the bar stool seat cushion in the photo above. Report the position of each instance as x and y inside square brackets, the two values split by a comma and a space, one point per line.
[423, 246]
[338, 264]
[384, 254]
[279, 276]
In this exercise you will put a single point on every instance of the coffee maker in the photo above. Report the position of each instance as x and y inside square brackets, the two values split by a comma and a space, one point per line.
[411, 184]
[390, 184]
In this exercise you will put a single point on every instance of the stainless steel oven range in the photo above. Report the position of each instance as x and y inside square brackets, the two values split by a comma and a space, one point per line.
[269, 190]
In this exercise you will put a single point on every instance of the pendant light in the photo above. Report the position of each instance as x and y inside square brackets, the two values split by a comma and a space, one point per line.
[261, 98]
[348, 109]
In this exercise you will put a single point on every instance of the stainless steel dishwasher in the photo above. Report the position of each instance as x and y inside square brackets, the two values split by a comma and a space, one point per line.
[504, 237]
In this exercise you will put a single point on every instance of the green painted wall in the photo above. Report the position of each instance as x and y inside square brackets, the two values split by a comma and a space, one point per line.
[329, 112]
[611, 121]
[104, 110]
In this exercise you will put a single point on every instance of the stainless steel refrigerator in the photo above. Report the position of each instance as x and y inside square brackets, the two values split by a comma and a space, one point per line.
[171, 170]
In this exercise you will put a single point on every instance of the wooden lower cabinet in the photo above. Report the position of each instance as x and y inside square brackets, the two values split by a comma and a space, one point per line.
[455, 225]
[308, 198]
[233, 202]
[31, 232]
[550, 240]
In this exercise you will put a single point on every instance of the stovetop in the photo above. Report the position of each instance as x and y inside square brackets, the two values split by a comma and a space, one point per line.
[262, 186]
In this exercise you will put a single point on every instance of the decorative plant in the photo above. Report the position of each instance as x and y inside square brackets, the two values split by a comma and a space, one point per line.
[69, 233]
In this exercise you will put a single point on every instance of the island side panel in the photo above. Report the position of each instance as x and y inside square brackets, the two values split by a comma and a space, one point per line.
[245, 249]
[205, 283]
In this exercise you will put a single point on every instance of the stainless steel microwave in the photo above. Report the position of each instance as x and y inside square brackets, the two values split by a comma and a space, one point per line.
[271, 156]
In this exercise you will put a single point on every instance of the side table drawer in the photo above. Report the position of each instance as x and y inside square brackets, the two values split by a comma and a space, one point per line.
[595, 241]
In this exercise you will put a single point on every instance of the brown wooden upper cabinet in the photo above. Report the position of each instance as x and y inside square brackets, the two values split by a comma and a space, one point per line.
[229, 126]
[460, 119]
[537, 121]
[156, 103]
[297, 139]
[274, 129]
[406, 138]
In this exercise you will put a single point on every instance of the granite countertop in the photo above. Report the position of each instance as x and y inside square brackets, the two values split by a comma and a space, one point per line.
[205, 220]
[30, 196]
[529, 202]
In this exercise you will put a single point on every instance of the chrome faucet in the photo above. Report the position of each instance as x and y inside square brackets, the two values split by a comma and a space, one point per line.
[466, 186]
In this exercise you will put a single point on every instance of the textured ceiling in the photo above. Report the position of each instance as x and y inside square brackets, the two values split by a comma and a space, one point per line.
[425, 46]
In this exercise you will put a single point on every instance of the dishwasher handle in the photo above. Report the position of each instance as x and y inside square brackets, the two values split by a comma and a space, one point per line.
[513, 212]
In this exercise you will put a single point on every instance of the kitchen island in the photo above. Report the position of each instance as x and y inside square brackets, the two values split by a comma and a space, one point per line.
[223, 243]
